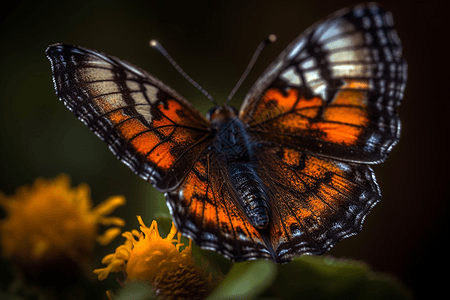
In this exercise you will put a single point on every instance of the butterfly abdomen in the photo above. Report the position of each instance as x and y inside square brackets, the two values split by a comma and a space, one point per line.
[235, 146]
[250, 193]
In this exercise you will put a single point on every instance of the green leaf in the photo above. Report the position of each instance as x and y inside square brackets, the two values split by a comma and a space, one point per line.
[246, 280]
[135, 291]
[164, 223]
[212, 261]
[324, 277]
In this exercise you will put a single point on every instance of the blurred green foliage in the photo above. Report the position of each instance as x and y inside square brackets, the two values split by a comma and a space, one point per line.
[307, 277]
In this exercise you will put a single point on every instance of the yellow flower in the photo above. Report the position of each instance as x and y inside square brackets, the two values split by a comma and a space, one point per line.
[147, 257]
[51, 220]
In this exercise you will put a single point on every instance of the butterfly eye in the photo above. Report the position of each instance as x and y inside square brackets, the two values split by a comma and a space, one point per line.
[212, 111]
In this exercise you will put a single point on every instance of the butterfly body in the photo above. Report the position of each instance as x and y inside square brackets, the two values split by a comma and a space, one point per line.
[289, 173]
[234, 148]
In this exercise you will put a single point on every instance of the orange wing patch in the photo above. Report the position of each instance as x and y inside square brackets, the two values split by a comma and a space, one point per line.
[276, 103]
[291, 157]
[317, 183]
[346, 117]
[342, 121]
[144, 139]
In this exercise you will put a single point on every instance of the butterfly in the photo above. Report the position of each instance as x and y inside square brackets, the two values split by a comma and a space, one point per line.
[286, 175]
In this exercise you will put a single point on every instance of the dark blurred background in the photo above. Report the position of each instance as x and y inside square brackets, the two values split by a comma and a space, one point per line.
[213, 42]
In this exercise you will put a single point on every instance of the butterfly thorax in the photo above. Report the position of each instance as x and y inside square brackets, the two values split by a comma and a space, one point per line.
[234, 145]
[231, 136]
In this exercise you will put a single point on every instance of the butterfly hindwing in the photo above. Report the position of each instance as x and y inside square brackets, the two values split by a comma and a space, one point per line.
[146, 124]
[204, 209]
[335, 89]
[315, 201]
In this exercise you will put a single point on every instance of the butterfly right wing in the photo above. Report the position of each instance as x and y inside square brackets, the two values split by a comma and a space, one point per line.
[334, 91]
[146, 124]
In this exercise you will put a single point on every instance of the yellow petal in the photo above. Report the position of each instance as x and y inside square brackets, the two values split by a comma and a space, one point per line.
[109, 235]
[109, 205]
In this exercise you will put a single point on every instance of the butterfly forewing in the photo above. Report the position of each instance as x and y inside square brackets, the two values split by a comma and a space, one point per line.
[335, 89]
[146, 124]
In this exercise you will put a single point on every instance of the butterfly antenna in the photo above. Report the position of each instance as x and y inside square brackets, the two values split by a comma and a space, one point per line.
[155, 44]
[269, 40]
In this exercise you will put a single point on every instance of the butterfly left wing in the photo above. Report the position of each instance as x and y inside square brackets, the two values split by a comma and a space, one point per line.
[335, 89]
[146, 124]
[204, 209]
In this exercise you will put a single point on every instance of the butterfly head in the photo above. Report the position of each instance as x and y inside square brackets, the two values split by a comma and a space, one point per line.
[221, 114]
